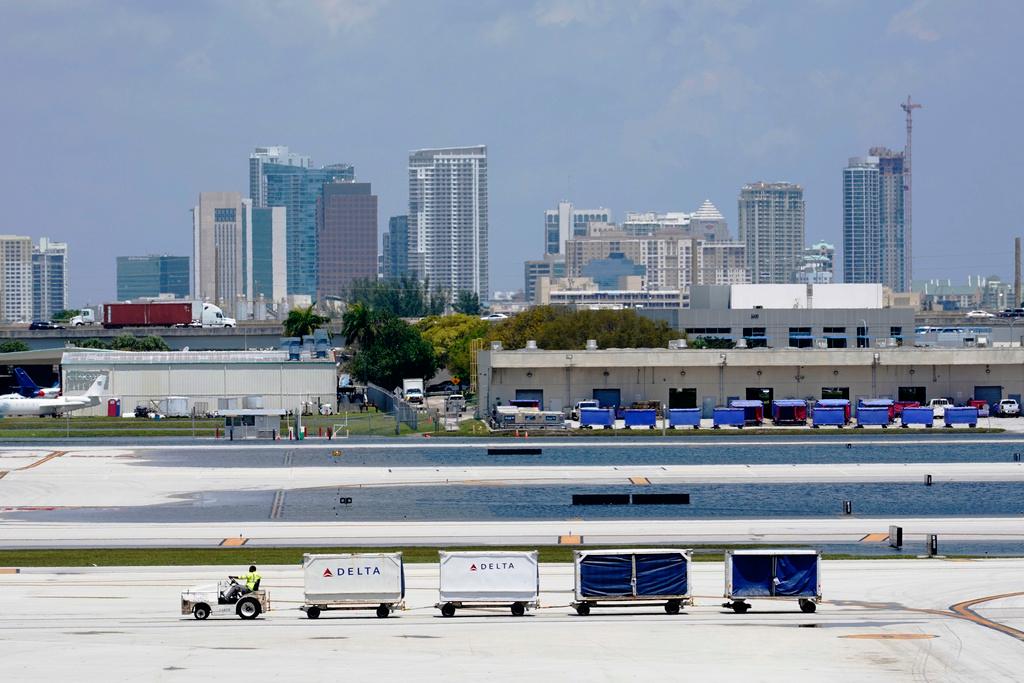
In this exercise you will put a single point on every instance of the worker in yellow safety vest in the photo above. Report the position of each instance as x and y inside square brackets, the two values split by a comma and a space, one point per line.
[252, 582]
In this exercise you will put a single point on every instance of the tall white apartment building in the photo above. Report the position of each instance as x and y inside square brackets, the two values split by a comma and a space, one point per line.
[16, 273]
[771, 223]
[220, 224]
[49, 278]
[448, 224]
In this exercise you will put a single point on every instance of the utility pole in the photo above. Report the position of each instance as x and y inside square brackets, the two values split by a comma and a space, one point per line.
[909, 107]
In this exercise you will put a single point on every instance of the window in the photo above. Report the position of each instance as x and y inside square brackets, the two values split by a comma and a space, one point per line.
[223, 215]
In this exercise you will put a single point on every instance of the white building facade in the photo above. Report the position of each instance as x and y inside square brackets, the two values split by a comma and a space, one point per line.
[16, 291]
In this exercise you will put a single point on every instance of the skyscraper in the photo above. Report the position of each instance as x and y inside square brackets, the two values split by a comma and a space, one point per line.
[15, 278]
[771, 223]
[151, 276]
[874, 228]
[298, 188]
[219, 226]
[49, 278]
[396, 248]
[448, 228]
[269, 155]
[566, 222]
[266, 255]
[346, 236]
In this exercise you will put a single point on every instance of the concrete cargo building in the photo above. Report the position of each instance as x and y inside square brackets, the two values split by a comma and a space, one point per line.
[202, 377]
[689, 378]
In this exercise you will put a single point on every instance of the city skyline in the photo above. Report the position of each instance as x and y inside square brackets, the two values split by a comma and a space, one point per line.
[710, 119]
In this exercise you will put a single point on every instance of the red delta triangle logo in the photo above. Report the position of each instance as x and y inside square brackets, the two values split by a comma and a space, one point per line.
[472, 567]
[327, 573]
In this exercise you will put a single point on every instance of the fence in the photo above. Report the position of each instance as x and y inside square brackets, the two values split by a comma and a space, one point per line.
[387, 402]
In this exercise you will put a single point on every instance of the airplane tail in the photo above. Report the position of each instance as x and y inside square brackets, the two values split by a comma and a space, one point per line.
[98, 386]
[26, 387]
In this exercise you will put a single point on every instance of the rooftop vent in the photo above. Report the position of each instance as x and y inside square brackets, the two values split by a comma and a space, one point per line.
[676, 344]
[741, 343]
[531, 345]
[495, 346]
[591, 345]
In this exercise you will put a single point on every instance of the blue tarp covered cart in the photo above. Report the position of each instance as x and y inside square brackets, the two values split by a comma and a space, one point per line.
[828, 417]
[753, 411]
[873, 417]
[886, 403]
[640, 417]
[772, 575]
[835, 403]
[917, 416]
[728, 417]
[961, 415]
[789, 411]
[625, 577]
[684, 417]
[593, 418]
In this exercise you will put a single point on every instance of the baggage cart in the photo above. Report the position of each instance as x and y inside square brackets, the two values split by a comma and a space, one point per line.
[917, 416]
[753, 411]
[772, 574]
[353, 581]
[725, 417]
[623, 578]
[842, 403]
[872, 417]
[886, 403]
[684, 417]
[789, 411]
[961, 415]
[640, 417]
[593, 418]
[478, 580]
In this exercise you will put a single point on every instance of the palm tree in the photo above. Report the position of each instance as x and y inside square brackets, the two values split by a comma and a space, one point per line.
[302, 321]
[360, 325]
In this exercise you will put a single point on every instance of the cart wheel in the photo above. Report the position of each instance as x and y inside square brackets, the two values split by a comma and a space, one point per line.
[583, 609]
[447, 610]
[672, 607]
[313, 612]
[807, 606]
[740, 607]
[247, 608]
[383, 611]
[518, 609]
[201, 611]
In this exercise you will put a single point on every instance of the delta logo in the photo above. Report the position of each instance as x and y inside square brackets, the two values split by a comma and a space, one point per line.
[491, 566]
[351, 571]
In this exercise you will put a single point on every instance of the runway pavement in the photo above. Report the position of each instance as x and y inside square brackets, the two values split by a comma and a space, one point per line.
[882, 620]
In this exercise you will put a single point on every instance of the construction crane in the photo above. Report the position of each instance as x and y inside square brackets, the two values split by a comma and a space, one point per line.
[909, 106]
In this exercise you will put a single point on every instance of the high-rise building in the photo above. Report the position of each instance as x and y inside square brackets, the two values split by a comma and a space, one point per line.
[266, 255]
[874, 229]
[150, 276]
[298, 188]
[448, 228]
[49, 278]
[551, 266]
[15, 278]
[771, 224]
[219, 227]
[346, 236]
[567, 222]
[396, 248]
[817, 264]
[706, 223]
[269, 155]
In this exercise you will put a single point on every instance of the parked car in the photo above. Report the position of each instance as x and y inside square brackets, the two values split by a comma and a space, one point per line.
[494, 317]
[575, 414]
[445, 387]
[44, 325]
[455, 403]
[1008, 407]
[980, 314]
[938, 406]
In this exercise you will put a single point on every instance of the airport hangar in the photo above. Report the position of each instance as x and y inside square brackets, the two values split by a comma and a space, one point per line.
[202, 378]
[704, 378]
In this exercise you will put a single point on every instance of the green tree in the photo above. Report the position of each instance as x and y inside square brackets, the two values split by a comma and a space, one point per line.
[93, 344]
[360, 324]
[302, 321]
[450, 335]
[397, 352]
[127, 342]
[467, 302]
[559, 328]
[65, 315]
[404, 297]
[13, 346]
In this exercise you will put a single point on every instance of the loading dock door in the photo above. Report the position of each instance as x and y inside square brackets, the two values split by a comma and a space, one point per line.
[764, 395]
[682, 398]
[531, 395]
[608, 398]
[912, 394]
[990, 395]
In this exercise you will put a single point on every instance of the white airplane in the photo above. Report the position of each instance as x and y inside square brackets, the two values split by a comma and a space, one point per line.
[54, 406]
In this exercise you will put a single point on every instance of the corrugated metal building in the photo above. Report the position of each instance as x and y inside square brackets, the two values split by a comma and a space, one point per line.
[203, 377]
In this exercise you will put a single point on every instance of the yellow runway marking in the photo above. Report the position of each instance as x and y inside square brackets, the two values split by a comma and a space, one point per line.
[964, 611]
[570, 539]
[875, 538]
[3, 474]
[234, 542]
[9, 570]
[45, 459]
[640, 481]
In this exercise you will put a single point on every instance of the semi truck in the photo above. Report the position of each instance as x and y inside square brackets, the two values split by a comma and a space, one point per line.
[164, 314]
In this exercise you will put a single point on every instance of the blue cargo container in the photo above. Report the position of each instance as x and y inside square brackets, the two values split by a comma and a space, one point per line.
[728, 417]
[835, 403]
[753, 411]
[597, 417]
[790, 411]
[772, 575]
[684, 417]
[828, 417]
[917, 416]
[641, 417]
[631, 576]
[961, 415]
[872, 416]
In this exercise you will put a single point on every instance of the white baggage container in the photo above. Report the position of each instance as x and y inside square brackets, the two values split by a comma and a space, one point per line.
[353, 581]
[488, 579]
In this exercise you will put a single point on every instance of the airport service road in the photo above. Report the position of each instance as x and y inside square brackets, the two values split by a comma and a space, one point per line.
[882, 620]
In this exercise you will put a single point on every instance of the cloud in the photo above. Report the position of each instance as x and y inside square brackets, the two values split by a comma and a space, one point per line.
[562, 13]
[342, 15]
[911, 22]
[501, 30]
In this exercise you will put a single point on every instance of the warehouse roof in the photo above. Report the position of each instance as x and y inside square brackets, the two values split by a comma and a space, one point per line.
[180, 357]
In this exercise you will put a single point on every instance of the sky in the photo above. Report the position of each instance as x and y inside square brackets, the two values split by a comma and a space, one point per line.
[115, 115]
